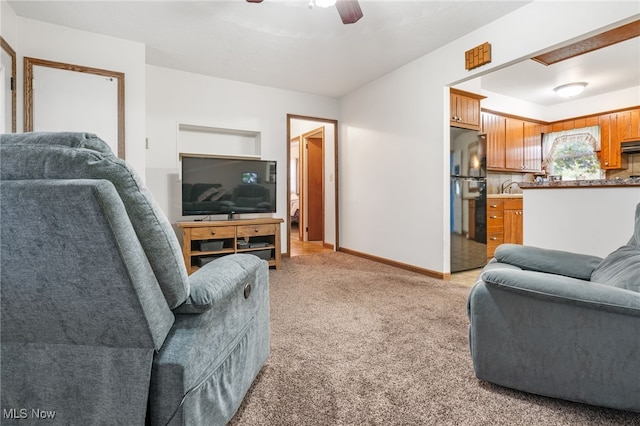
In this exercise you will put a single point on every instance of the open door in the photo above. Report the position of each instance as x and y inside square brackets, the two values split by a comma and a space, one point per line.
[312, 192]
[313, 200]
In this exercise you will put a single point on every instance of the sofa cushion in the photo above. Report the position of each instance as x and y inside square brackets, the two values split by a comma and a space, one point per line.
[620, 269]
[538, 259]
[216, 280]
[85, 156]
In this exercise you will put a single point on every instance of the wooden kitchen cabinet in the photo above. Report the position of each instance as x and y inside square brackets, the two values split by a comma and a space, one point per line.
[610, 154]
[494, 127]
[504, 223]
[465, 109]
[629, 125]
[514, 141]
[513, 144]
[574, 123]
[532, 147]
[513, 215]
[523, 144]
[495, 225]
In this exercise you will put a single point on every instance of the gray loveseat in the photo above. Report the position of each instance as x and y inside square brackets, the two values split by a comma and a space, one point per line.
[560, 324]
[100, 323]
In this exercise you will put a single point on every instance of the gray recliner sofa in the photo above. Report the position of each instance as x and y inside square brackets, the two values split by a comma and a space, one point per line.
[560, 324]
[100, 323]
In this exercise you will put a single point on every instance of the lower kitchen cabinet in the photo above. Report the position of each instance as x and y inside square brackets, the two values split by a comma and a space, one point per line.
[495, 224]
[504, 222]
[513, 220]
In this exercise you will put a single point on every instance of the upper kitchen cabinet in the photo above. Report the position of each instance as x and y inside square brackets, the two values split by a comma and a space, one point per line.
[513, 144]
[523, 144]
[574, 123]
[465, 109]
[610, 138]
[629, 125]
[494, 127]
[532, 147]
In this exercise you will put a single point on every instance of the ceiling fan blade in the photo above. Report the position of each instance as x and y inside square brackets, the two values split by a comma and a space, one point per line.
[349, 11]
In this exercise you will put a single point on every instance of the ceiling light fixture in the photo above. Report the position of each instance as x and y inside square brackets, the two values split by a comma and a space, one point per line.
[322, 3]
[571, 89]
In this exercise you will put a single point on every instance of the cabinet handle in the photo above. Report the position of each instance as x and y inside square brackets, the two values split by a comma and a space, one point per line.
[213, 232]
[493, 238]
[256, 230]
[493, 206]
[493, 217]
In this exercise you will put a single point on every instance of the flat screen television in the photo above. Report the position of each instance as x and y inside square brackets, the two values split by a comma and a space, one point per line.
[227, 185]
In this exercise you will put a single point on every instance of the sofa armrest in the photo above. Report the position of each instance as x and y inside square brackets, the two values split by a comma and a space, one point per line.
[557, 262]
[217, 280]
[567, 290]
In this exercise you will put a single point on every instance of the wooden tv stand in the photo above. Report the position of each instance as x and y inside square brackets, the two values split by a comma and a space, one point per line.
[206, 240]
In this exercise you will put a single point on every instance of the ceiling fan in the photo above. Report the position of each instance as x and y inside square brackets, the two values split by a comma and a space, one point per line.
[349, 10]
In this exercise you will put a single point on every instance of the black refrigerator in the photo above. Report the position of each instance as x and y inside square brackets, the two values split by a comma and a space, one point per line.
[468, 200]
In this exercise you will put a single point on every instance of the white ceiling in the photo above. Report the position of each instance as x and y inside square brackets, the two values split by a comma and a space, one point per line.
[285, 44]
[605, 70]
[277, 43]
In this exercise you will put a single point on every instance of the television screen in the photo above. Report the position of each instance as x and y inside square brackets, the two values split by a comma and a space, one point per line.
[219, 185]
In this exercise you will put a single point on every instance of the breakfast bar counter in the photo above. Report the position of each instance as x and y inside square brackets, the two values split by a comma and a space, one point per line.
[587, 216]
[593, 183]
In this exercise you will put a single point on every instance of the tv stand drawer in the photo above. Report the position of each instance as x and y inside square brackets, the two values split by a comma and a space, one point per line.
[253, 230]
[213, 232]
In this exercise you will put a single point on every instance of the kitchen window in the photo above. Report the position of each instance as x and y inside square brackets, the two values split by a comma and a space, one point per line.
[572, 154]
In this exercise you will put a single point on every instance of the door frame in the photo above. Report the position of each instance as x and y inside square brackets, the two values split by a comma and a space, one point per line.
[28, 100]
[12, 54]
[291, 117]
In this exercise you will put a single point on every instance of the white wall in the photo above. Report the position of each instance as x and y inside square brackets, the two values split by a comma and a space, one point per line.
[61, 44]
[179, 97]
[8, 24]
[592, 221]
[394, 190]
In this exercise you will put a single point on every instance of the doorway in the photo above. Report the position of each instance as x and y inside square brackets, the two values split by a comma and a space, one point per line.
[312, 185]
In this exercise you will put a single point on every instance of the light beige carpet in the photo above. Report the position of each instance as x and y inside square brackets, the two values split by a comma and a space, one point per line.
[355, 342]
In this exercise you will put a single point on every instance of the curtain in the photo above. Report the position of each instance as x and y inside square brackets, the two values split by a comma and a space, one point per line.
[551, 141]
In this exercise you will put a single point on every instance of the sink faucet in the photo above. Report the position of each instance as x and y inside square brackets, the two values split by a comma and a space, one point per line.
[504, 186]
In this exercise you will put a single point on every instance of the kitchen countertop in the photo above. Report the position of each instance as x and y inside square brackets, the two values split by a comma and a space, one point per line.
[504, 195]
[594, 183]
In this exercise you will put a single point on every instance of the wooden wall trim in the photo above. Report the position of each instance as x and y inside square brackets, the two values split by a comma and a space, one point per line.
[455, 91]
[516, 117]
[401, 265]
[546, 123]
[29, 63]
[14, 90]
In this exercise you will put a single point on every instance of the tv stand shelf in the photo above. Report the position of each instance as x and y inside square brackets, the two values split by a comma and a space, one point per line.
[206, 240]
